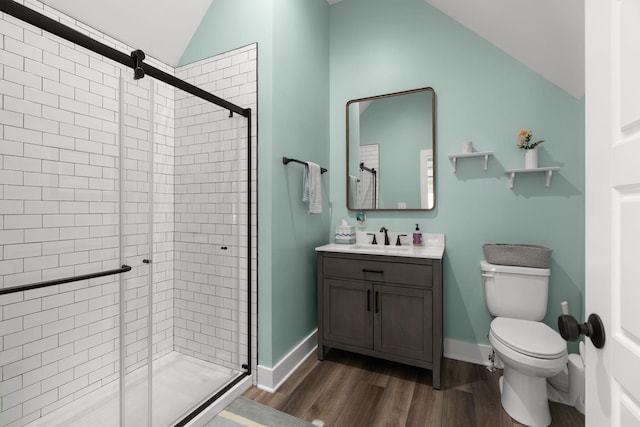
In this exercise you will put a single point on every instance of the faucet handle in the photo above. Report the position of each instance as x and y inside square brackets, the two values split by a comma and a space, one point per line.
[398, 243]
[373, 242]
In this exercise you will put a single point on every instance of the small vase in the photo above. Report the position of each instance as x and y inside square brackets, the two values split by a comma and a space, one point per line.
[531, 158]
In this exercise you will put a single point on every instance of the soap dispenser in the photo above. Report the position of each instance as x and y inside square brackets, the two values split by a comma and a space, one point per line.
[417, 236]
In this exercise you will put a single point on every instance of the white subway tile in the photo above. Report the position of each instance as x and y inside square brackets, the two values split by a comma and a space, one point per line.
[40, 179]
[57, 247]
[11, 177]
[37, 68]
[55, 327]
[57, 88]
[69, 108]
[41, 124]
[22, 337]
[88, 97]
[41, 97]
[21, 251]
[74, 233]
[22, 164]
[11, 118]
[40, 346]
[74, 80]
[16, 398]
[42, 400]
[21, 135]
[74, 182]
[41, 263]
[84, 344]
[11, 59]
[22, 106]
[34, 209]
[73, 386]
[40, 151]
[74, 55]
[58, 115]
[57, 300]
[57, 194]
[57, 379]
[61, 352]
[8, 327]
[57, 167]
[22, 49]
[22, 78]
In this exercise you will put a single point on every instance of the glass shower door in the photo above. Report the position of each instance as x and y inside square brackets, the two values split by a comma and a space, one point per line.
[136, 218]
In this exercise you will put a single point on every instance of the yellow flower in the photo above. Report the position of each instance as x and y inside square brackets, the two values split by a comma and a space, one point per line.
[524, 133]
[524, 142]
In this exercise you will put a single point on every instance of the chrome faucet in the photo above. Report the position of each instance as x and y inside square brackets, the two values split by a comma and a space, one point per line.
[386, 236]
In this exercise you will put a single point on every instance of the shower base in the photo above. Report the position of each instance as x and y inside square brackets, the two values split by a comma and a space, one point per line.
[180, 384]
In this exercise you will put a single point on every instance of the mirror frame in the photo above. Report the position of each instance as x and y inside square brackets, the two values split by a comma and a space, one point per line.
[433, 139]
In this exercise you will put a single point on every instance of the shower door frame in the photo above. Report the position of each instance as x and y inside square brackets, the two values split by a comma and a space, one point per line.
[136, 61]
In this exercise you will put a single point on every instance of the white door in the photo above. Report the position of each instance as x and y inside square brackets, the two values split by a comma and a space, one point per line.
[613, 209]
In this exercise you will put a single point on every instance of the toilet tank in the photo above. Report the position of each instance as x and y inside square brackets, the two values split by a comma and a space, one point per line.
[516, 292]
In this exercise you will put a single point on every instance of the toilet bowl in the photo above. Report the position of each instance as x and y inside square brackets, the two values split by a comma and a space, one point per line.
[531, 352]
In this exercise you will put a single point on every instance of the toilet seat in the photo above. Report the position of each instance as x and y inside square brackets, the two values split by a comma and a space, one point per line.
[534, 339]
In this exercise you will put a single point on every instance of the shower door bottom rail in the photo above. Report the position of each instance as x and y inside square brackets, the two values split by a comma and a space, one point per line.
[54, 282]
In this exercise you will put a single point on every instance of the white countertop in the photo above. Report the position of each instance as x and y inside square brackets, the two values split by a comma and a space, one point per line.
[433, 248]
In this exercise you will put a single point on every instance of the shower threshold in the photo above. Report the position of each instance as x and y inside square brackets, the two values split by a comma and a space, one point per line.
[180, 384]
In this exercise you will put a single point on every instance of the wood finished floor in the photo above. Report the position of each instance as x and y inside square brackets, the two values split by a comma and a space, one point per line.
[351, 390]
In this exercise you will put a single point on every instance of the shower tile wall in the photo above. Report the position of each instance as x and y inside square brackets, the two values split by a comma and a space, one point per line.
[59, 197]
[368, 155]
[211, 179]
[59, 217]
[137, 120]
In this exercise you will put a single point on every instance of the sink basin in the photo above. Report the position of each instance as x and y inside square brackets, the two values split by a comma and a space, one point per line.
[380, 249]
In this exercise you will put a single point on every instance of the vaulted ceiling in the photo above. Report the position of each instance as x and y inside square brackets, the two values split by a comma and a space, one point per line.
[545, 35]
[161, 28]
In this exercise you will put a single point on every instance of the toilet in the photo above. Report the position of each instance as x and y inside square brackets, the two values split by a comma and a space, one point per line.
[530, 350]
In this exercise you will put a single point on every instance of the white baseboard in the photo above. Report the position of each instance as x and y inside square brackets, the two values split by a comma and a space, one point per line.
[469, 352]
[270, 379]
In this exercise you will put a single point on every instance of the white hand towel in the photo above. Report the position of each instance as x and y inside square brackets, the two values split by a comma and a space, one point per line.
[312, 187]
[353, 192]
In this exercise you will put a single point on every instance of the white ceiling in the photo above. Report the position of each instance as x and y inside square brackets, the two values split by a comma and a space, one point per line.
[160, 28]
[545, 35]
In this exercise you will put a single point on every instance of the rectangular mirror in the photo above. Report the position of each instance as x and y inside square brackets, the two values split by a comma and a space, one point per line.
[391, 151]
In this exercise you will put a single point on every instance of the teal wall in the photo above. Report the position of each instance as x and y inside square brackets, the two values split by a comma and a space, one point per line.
[293, 121]
[485, 96]
[312, 59]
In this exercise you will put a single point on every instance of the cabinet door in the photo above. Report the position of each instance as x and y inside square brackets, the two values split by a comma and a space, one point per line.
[347, 312]
[403, 321]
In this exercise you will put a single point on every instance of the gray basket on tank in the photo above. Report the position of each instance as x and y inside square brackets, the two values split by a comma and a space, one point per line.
[533, 256]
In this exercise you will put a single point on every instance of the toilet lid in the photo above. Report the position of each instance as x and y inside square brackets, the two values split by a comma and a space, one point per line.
[531, 338]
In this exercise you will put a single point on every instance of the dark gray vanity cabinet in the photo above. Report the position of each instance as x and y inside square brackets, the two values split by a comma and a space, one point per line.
[384, 306]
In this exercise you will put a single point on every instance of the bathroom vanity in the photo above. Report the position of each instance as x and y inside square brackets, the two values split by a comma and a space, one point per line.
[381, 301]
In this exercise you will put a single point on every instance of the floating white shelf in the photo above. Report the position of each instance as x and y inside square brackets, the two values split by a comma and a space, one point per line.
[484, 154]
[548, 171]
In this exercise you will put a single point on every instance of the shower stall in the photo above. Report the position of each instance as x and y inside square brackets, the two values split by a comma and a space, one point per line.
[127, 227]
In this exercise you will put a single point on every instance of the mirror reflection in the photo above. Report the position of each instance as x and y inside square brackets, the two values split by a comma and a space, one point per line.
[391, 151]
